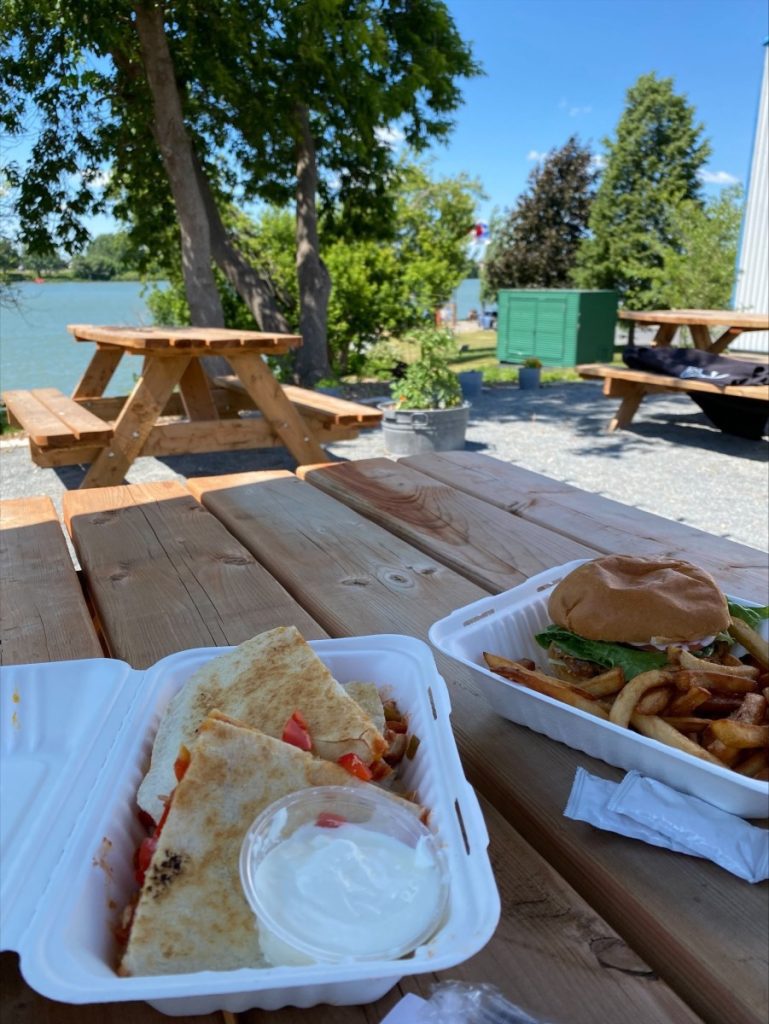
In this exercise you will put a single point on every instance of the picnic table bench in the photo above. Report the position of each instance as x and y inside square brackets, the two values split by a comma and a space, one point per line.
[632, 386]
[175, 408]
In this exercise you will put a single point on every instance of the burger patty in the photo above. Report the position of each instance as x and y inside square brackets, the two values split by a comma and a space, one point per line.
[578, 667]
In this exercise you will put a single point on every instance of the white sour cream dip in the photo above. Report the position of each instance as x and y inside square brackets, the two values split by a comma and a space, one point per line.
[348, 891]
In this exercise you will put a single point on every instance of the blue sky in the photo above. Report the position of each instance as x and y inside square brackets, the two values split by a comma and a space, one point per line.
[557, 67]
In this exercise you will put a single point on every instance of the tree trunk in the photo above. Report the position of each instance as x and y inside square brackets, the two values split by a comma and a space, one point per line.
[256, 291]
[178, 159]
[312, 363]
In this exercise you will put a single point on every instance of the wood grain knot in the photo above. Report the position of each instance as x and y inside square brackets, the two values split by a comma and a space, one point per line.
[103, 517]
[612, 952]
[235, 560]
[355, 581]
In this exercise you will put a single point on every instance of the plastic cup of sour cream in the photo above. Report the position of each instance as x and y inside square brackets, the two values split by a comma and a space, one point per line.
[341, 873]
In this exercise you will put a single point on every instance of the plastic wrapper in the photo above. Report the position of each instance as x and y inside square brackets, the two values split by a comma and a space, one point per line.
[648, 810]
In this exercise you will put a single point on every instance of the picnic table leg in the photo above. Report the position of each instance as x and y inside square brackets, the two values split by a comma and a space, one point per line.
[665, 334]
[631, 395]
[136, 420]
[98, 373]
[725, 340]
[196, 393]
[270, 399]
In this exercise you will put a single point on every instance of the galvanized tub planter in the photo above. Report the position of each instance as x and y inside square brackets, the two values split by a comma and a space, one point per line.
[529, 378]
[416, 431]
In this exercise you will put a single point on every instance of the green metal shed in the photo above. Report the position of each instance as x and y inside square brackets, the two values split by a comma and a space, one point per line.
[561, 327]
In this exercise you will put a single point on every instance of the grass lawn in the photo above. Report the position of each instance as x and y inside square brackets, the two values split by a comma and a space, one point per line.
[479, 352]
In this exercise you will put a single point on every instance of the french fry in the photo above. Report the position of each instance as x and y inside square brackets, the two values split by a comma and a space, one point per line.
[717, 681]
[655, 728]
[688, 661]
[755, 762]
[542, 683]
[687, 723]
[740, 735]
[688, 701]
[751, 640]
[605, 684]
[625, 703]
[654, 702]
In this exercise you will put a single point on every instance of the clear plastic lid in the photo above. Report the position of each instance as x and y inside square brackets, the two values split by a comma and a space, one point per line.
[343, 873]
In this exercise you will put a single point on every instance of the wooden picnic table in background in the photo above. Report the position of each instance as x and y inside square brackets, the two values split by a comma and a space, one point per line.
[175, 407]
[595, 927]
[699, 322]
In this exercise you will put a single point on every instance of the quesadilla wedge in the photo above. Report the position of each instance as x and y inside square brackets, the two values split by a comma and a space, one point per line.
[275, 683]
[191, 913]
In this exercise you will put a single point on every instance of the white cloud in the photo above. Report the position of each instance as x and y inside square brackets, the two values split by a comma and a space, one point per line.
[534, 154]
[598, 161]
[718, 178]
[577, 111]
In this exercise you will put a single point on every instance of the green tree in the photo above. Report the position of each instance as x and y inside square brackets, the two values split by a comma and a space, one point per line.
[194, 106]
[652, 167]
[535, 244]
[699, 274]
[381, 287]
[107, 256]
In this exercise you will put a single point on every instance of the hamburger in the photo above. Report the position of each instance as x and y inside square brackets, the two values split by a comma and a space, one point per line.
[620, 610]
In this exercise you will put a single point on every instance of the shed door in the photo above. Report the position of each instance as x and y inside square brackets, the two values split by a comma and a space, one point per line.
[519, 317]
[551, 331]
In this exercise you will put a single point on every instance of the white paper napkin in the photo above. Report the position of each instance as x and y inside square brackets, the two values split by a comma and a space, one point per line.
[643, 808]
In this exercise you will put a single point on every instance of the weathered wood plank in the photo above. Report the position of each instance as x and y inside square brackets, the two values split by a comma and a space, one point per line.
[603, 524]
[357, 578]
[165, 576]
[479, 541]
[712, 317]
[43, 615]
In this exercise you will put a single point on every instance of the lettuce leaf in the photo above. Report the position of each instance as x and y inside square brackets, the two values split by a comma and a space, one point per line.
[752, 616]
[632, 661]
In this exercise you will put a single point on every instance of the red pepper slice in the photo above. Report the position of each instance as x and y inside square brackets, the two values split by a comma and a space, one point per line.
[355, 766]
[327, 819]
[296, 732]
[182, 762]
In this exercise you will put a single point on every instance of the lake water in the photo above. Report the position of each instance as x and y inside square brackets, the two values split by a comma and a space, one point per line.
[36, 349]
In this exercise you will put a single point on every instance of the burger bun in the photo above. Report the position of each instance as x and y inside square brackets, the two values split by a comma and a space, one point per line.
[625, 599]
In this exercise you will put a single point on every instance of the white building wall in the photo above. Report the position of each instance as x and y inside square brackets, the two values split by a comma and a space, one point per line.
[751, 292]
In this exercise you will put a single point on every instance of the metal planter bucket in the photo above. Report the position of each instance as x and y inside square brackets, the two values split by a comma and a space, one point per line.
[416, 431]
[529, 377]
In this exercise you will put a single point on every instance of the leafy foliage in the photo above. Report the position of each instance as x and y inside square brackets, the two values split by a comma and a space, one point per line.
[429, 383]
[699, 274]
[652, 168]
[535, 244]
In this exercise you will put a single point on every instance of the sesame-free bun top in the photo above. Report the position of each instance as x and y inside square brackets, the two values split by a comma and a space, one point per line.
[623, 599]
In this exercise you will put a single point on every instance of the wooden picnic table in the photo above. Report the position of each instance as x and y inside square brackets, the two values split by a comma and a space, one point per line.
[699, 321]
[595, 927]
[175, 407]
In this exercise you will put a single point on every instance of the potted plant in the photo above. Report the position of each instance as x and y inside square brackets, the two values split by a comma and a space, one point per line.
[428, 413]
[529, 373]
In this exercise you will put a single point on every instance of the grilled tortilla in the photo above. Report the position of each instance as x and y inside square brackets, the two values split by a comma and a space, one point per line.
[261, 683]
[192, 914]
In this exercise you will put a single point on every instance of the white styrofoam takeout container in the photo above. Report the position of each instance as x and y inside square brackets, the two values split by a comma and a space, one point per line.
[76, 739]
[505, 624]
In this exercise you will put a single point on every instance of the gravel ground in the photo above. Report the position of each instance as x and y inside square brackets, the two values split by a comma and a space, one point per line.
[671, 461]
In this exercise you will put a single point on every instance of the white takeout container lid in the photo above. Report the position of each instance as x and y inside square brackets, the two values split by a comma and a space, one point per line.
[76, 739]
[505, 624]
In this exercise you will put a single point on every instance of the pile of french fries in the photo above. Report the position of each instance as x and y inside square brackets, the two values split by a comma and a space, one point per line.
[717, 710]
